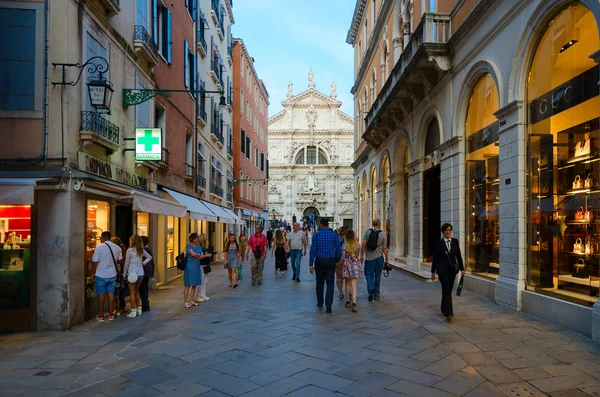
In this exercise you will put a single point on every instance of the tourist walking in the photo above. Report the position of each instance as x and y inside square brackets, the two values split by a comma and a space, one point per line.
[280, 252]
[232, 259]
[270, 237]
[243, 240]
[325, 253]
[297, 244]
[351, 270]
[120, 285]
[374, 252]
[447, 262]
[192, 276]
[339, 281]
[258, 245]
[135, 260]
[201, 295]
[148, 275]
[104, 262]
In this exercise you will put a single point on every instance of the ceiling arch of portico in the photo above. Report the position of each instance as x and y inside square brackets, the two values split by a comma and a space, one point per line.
[385, 156]
[477, 71]
[533, 32]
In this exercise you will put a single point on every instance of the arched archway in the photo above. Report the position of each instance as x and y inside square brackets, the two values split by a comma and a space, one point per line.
[385, 208]
[431, 189]
[308, 211]
[373, 210]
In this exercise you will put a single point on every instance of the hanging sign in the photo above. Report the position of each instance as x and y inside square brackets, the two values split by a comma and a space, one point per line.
[148, 144]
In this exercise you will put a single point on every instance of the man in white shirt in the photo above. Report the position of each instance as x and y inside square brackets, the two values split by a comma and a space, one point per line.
[298, 241]
[104, 262]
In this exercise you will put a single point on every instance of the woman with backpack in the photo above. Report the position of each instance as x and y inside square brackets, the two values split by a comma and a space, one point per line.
[133, 272]
[232, 259]
[192, 277]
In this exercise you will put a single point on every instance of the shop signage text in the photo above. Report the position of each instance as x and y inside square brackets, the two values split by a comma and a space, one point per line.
[148, 144]
[110, 171]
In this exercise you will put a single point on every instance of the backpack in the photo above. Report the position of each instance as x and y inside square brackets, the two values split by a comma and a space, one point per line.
[372, 242]
[181, 260]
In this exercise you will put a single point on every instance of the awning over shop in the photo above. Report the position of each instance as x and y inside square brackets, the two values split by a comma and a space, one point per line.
[220, 212]
[246, 212]
[237, 219]
[264, 215]
[144, 202]
[17, 190]
[196, 207]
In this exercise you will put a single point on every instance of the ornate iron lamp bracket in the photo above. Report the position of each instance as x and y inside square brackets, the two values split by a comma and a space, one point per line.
[92, 68]
[135, 96]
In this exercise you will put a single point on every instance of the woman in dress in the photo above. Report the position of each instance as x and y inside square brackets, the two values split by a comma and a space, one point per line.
[280, 252]
[192, 276]
[232, 259]
[135, 259]
[351, 271]
[339, 280]
[205, 262]
[243, 250]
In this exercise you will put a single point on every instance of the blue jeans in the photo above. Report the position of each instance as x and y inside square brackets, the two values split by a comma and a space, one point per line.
[373, 274]
[295, 258]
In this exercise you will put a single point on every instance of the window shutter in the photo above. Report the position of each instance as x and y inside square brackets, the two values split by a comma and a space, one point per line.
[186, 67]
[194, 74]
[155, 20]
[169, 40]
[243, 141]
[262, 161]
[193, 10]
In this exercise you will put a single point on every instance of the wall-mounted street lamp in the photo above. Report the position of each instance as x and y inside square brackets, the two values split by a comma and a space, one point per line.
[136, 96]
[99, 88]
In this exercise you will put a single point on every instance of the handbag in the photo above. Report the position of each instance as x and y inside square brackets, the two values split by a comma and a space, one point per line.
[181, 261]
[580, 215]
[460, 286]
[578, 246]
[588, 181]
[589, 249]
[240, 272]
[580, 269]
[132, 278]
[577, 182]
[589, 215]
[583, 147]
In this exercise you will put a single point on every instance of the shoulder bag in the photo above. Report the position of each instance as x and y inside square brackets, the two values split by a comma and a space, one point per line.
[181, 261]
[452, 262]
[118, 280]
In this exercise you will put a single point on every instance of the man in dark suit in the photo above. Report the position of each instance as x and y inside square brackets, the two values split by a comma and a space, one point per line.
[447, 253]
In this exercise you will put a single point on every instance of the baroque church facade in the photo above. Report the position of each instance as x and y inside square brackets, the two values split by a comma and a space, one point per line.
[310, 156]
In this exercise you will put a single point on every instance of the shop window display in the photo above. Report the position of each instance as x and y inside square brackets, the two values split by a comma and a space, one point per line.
[143, 223]
[172, 240]
[15, 256]
[483, 183]
[98, 221]
[564, 160]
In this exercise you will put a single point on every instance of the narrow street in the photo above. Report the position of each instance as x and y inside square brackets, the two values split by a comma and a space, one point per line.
[273, 341]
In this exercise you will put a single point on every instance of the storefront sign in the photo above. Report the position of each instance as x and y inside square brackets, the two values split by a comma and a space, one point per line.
[567, 95]
[110, 171]
[148, 144]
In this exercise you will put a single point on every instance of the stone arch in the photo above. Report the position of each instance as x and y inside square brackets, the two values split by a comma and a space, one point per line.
[319, 147]
[428, 116]
[532, 34]
[477, 71]
[373, 210]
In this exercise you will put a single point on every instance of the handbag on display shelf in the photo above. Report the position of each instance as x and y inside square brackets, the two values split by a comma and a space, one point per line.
[584, 147]
[580, 214]
[589, 215]
[588, 181]
[580, 269]
[589, 249]
[577, 182]
[578, 246]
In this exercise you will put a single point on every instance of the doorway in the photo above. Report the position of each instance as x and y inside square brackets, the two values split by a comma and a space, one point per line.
[124, 223]
[431, 211]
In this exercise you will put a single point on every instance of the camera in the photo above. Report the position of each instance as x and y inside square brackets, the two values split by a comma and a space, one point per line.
[387, 269]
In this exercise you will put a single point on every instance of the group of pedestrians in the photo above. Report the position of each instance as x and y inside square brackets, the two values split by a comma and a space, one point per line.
[114, 267]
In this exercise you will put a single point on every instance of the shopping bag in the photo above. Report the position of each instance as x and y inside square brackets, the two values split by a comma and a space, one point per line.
[460, 286]
[240, 272]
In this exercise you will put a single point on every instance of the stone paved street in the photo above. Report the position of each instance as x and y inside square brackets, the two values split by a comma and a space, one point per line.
[273, 341]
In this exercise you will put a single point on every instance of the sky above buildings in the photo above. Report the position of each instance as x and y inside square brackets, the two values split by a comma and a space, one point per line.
[287, 37]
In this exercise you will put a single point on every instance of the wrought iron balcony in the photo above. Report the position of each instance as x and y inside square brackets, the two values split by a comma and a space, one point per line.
[201, 43]
[229, 195]
[202, 116]
[96, 129]
[216, 189]
[144, 44]
[215, 70]
[200, 182]
[424, 61]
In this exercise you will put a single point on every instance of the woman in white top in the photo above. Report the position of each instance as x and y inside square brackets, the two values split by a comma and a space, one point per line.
[135, 259]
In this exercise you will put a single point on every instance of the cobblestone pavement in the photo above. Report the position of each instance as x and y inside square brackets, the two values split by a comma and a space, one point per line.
[273, 341]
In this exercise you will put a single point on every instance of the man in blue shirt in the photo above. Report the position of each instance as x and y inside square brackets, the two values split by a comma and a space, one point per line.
[325, 253]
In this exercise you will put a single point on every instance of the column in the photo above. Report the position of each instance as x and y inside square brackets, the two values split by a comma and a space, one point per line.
[395, 218]
[513, 180]
[380, 203]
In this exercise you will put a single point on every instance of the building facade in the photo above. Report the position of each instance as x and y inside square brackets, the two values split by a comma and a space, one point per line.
[250, 125]
[310, 157]
[70, 171]
[485, 115]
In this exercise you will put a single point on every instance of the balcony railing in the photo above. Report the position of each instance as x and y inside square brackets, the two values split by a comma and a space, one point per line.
[216, 189]
[201, 38]
[230, 148]
[202, 111]
[94, 122]
[200, 182]
[189, 170]
[143, 40]
[229, 195]
[214, 66]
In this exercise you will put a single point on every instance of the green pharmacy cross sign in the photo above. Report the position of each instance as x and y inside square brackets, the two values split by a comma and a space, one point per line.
[148, 144]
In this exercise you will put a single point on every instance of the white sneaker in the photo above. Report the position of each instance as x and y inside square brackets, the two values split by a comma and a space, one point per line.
[132, 313]
[139, 311]
[206, 298]
[200, 299]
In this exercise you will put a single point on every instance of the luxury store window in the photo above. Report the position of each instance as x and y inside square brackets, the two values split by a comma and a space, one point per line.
[15, 256]
[143, 223]
[98, 221]
[564, 160]
[483, 184]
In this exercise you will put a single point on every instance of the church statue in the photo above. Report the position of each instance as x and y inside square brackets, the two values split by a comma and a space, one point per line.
[333, 91]
[311, 78]
[290, 92]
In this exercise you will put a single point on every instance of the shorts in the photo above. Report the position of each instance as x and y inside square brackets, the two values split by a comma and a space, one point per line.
[104, 285]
